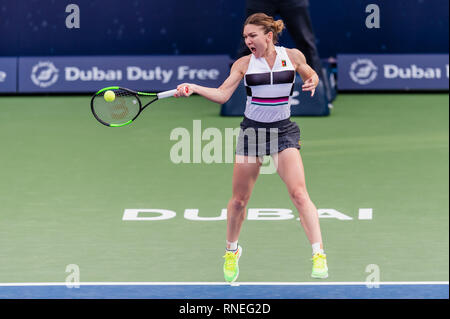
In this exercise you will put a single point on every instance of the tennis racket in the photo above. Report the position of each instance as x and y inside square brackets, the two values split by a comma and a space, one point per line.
[122, 106]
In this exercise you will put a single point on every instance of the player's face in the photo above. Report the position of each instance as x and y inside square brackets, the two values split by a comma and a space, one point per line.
[256, 40]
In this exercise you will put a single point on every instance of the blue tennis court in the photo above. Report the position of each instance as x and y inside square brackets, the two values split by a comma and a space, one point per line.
[411, 290]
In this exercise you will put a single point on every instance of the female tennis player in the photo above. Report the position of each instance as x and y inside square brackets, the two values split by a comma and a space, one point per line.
[269, 75]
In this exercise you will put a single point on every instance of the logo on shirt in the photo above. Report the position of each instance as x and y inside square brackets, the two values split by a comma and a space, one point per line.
[283, 62]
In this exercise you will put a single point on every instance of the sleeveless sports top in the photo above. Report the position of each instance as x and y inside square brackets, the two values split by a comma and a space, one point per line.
[269, 91]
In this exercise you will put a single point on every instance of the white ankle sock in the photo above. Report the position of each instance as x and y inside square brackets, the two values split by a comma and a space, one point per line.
[233, 245]
[316, 248]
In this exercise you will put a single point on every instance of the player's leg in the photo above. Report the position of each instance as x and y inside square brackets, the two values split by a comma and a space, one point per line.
[245, 173]
[290, 168]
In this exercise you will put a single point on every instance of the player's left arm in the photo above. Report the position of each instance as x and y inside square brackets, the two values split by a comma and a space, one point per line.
[308, 75]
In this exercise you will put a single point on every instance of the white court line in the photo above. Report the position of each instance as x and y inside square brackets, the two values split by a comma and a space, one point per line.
[25, 284]
[365, 213]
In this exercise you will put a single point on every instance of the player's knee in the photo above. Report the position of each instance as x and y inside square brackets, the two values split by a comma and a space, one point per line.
[238, 203]
[299, 196]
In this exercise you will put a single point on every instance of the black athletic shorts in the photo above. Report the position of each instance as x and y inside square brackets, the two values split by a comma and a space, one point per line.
[259, 138]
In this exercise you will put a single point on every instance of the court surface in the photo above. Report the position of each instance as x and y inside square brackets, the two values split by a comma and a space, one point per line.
[377, 170]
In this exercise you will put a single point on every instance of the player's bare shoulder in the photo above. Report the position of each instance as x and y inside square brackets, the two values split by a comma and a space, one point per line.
[241, 64]
[296, 57]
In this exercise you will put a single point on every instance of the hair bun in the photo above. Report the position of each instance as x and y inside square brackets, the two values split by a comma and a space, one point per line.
[278, 26]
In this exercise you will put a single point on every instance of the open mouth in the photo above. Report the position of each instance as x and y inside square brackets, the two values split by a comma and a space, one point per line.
[253, 49]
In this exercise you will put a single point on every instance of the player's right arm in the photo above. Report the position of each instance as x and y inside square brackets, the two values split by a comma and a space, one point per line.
[223, 93]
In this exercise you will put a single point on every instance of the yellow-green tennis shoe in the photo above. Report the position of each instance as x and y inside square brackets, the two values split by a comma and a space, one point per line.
[320, 268]
[231, 266]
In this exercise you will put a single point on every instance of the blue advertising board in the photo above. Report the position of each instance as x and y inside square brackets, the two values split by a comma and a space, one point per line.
[145, 73]
[8, 75]
[393, 71]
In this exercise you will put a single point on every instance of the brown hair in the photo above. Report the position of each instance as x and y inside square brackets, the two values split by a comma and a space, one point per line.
[268, 24]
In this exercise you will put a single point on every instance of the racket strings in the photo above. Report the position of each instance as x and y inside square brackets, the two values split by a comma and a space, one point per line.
[123, 108]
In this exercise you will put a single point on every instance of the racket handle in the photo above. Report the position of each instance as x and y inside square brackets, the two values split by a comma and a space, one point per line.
[165, 94]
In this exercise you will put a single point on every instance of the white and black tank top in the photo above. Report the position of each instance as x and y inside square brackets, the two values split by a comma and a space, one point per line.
[269, 91]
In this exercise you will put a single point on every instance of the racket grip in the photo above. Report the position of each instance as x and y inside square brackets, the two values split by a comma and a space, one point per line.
[163, 95]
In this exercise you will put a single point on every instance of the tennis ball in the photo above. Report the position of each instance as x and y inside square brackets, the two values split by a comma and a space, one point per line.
[109, 96]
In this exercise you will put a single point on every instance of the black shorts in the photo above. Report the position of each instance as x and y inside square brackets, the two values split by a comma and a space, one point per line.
[259, 138]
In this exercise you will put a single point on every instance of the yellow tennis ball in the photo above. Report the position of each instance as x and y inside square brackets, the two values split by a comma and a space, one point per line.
[109, 96]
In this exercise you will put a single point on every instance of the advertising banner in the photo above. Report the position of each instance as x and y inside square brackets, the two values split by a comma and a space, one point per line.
[143, 73]
[393, 71]
[8, 75]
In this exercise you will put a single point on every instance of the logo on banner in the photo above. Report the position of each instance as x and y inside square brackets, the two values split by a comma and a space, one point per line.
[363, 71]
[44, 74]
[2, 76]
